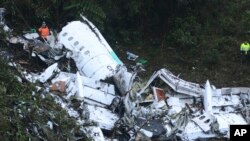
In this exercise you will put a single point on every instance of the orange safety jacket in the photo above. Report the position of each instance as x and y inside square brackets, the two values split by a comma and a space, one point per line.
[44, 32]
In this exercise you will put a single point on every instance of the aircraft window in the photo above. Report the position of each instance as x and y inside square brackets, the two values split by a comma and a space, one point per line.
[76, 43]
[86, 52]
[65, 34]
[70, 38]
[81, 48]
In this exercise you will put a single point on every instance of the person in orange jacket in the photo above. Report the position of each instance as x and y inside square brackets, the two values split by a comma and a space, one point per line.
[44, 31]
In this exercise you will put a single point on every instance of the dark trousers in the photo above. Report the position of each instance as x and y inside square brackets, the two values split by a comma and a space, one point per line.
[245, 57]
[42, 39]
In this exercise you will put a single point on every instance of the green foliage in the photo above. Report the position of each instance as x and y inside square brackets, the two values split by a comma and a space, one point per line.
[55, 12]
[89, 8]
[185, 33]
[211, 57]
[24, 116]
[246, 20]
[228, 26]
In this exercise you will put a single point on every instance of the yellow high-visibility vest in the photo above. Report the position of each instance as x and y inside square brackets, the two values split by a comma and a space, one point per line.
[245, 47]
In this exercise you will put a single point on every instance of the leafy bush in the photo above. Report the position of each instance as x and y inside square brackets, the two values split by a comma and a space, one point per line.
[185, 33]
[211, 57]
[25, 116]
[246, 20]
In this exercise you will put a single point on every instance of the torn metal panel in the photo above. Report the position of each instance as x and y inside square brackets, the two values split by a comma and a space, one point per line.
[193, 132]
[151, 128]
[204, 121]
[175, 105]
[105, 118]
[98, 96]
[160, 104]
[226, 100]
[63, 76]
[158, 94]
[208, 98]
[86, 113]
[235, 90]
[123, 79]
[83, 87]
[94, 133]
[80, 90]
[51, 70]
[175, 83]
[225, 120]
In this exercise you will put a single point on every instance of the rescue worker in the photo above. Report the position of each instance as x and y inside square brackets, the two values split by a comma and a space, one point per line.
[43, 31]
[244, 48]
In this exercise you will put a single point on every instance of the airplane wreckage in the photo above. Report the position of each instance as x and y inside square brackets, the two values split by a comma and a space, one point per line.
[164, 108]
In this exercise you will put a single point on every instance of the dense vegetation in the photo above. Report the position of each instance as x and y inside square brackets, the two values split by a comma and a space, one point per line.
[198, 38]
[27, 111]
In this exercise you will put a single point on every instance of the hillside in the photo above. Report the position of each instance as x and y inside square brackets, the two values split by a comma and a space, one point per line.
[197, 40]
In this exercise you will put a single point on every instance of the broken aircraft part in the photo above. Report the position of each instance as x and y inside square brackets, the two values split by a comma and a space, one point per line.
[180, 108]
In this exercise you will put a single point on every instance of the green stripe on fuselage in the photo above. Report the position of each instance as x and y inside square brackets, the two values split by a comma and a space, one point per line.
[114, 56]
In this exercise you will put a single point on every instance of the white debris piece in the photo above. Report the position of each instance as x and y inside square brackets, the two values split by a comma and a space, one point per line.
[19, 78]
[204, 121]
[31, 77]
[6, 28]
[98, 96]
[131, 56]
[208, 98]
[226, 100]
[193, 132]
[83, 87]
[50, 124]
[31, 35]
[63, 76]
[12, 64]
[177, 84]
[159, 104]
[174, 104]
[94, 132]
[225, 120]
[80, 93]
[145, 132]
[104, 118]
[73, 113]
[123, 79]
[47, 74]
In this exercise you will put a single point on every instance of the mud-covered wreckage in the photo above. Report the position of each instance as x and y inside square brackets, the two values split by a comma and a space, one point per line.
[163, 108]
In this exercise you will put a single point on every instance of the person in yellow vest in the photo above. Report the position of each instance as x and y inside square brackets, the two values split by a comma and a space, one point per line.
[244, 48]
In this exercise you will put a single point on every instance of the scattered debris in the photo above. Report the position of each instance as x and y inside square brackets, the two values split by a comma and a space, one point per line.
[58, 86]
[165, 107]
[131, 56]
